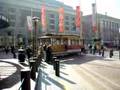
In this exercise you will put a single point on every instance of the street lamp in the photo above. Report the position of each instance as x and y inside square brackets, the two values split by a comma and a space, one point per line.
[35, 20]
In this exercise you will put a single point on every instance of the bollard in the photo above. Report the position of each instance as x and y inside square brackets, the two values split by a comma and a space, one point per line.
[33, 69]
[38, 62]
[57, 68]
[25, 77]
[54, 58]
[21, 55]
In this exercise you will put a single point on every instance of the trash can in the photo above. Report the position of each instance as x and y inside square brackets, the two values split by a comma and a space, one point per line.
[21, 55]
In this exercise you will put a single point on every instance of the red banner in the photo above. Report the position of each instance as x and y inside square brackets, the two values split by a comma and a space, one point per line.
[43, 16]
[78, 16]
[94, 18]
[61, 20]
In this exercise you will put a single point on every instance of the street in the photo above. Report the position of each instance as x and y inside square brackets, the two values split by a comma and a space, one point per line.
[99, 73]
[77, 72]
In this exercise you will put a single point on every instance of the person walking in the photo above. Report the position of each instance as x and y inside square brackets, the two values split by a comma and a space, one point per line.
[49, 54]
[102, 50]
[13, 51]
[44, 51]
[28, 52]
[6, 49]
[90, 48]
[111, 53]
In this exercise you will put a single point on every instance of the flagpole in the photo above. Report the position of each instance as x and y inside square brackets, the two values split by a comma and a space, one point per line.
[80, 29]
[31, 35]
[96, 36]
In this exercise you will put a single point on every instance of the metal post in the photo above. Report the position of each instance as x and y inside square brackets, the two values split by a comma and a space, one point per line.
[33, 69]
[25, 77]
[57, 68]
[34, 38]
[54, 58]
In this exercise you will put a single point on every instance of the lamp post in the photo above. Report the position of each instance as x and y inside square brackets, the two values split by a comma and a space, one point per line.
[35, 20]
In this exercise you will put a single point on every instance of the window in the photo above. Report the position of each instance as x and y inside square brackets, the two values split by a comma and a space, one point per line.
[12, 23]
[66, 17]
[66, 28]
[52, 16]
[13, 17]
[11, 10]
[73, 18]
[110, 25]
[1, 8]
[106, 24]
[103, 24]
[52, 21]
[117, 25]
[67, 23]
[52, 27]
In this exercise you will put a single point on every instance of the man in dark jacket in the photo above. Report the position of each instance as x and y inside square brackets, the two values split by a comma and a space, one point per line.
[28, 52]
[49, 54]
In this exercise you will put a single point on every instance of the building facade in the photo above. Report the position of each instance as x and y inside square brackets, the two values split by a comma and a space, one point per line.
[3, 24]
[108, 29]
[18, 10]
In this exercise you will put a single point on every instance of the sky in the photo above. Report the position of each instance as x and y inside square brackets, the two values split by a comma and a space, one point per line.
[111, 7]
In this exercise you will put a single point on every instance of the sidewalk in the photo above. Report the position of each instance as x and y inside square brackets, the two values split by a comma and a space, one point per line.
[68, 80]
[10, 78]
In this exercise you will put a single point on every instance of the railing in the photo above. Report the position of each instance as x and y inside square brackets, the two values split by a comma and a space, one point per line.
[28, 73]
[21, 84]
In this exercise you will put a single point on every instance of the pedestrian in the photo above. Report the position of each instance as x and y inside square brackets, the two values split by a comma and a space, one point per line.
[40, 55]
[44, 51]
[66, 47]
[13, 51]
[90, 48]
[28, 52]
[111, 53]
[49, 55]
[21, 55]
[94, 49]
[6, 49]
[102, 50]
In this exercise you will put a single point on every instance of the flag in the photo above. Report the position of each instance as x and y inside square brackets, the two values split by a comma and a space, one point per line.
[94, 18]
[61, 19]
[43, 17]
[77, 18]
[29, 23]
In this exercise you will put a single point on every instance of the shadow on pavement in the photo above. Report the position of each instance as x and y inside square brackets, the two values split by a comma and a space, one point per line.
[107, 66]
[75, 59]
[67, 80]
[53, 81]
[12, 79]
[63, 73]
